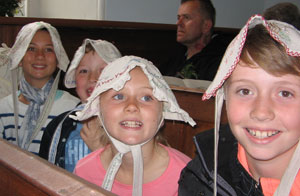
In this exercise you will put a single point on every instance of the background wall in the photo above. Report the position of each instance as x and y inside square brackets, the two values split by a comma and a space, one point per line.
[230, 13]
[76, 9]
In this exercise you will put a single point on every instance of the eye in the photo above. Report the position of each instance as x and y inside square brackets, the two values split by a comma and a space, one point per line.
[30, 48]
[147, 98]
[244, 92]
[49, 50]
[118, 97]
[285, 94]
[83, 71]
[186, 17]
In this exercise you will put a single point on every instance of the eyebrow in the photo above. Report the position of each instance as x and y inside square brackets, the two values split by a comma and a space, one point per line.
[32, 43]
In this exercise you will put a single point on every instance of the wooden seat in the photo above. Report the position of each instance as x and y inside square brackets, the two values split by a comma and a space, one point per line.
[23, 173]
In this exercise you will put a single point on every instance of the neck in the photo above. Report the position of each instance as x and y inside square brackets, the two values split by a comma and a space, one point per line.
[37, 83]
[273, 168]
[197, 46]
[155, 161]
[23, 99]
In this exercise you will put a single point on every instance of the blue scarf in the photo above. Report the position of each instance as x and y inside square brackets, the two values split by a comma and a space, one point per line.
[37, 98]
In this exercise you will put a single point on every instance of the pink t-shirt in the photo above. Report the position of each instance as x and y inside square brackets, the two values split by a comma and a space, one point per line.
[90, 168]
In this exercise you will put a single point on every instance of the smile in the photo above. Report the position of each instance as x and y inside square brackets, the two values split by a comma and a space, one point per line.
[262, 134]
[39, 66]
[131, 124]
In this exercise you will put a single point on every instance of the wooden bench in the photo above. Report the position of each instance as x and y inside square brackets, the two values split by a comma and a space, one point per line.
[23, 174]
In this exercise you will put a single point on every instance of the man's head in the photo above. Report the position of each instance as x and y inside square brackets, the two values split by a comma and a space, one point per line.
[195, 21]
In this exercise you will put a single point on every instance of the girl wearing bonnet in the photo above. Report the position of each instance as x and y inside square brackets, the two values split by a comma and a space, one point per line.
[39, 53]
[131, 100]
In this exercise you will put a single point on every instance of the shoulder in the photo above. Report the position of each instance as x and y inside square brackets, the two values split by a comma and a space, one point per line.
[63, 102]
[64, 95]
[6, 105]
[90, 161]
[6, 99]
[54, 123]
[177, 156]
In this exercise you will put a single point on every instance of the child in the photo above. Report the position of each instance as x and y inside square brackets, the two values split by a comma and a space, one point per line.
[134, 101]
[62, 142]
[258, 152]
[39, 52]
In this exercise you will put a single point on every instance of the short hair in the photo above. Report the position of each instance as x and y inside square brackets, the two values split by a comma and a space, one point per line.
[207, 8]
[285, 12]
[269, 54]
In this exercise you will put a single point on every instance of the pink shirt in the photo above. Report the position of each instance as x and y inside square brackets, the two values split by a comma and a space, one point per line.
[90, 168]
[269, 185]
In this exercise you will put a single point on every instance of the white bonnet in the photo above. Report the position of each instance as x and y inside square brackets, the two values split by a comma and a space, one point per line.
[286, 34]
[24, 38]
[106, 50]
[116, 74]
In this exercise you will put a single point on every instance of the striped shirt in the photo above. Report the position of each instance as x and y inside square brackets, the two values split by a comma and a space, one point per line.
[63, 102]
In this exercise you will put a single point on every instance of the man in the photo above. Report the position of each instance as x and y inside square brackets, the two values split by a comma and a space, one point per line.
[202, 52]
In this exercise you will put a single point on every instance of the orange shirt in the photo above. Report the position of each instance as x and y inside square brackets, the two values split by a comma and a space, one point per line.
[269, 185]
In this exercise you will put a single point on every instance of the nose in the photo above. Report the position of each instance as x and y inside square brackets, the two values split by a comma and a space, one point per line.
[93, 76]
[262, 109]
[132, 105]
[179, 21]
[40, 54]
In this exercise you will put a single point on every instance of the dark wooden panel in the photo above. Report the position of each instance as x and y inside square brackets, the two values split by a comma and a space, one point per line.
[180, 135]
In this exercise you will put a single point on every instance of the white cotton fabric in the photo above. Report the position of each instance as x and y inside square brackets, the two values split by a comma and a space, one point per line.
[289, 37]
[24, 38]
[5, 79]
[106, 50]
[114, 76]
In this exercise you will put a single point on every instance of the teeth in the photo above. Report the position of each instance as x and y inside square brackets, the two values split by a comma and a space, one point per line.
[131, 124]
[262, 134]
[39, 66]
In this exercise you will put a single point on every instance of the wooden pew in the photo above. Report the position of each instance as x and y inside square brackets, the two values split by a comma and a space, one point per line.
[23, 174]
[180, 135]
[148, 40]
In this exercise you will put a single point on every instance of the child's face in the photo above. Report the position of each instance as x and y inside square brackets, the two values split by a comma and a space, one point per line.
[264, 112]
[131, 115]
[39, 61]
[87, 74]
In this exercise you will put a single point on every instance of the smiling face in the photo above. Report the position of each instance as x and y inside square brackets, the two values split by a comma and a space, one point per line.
[87, 74]
[263, 112]
[39, 61]
[131, 115]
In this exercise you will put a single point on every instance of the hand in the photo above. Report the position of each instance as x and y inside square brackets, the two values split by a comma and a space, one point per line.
[92, 132]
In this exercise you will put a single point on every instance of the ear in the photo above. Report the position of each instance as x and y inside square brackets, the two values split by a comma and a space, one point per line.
[207, 26]
[20, 64]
